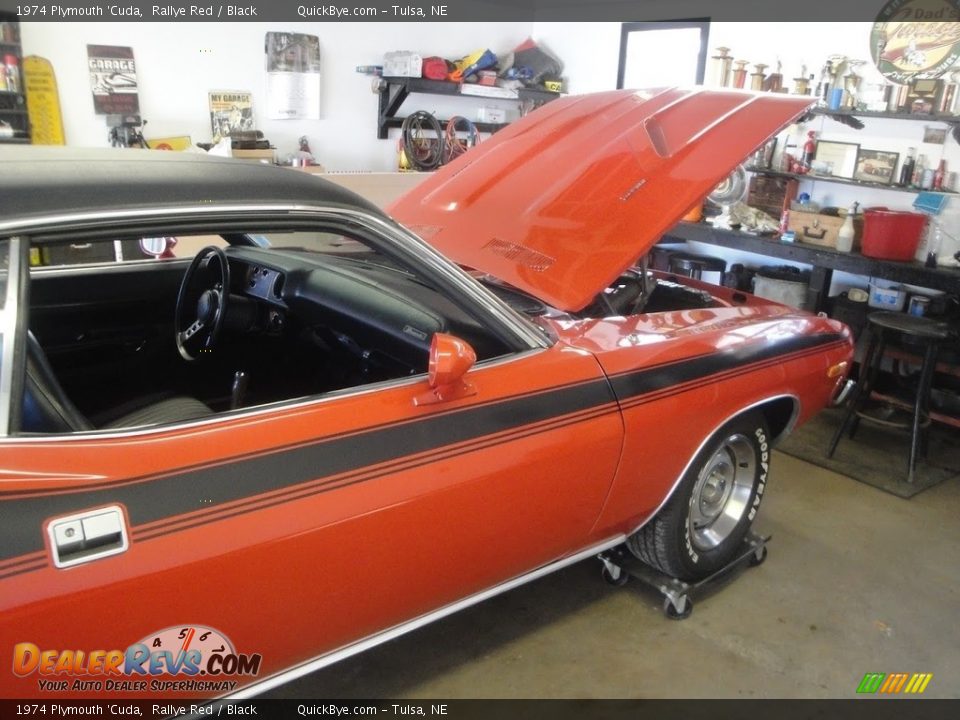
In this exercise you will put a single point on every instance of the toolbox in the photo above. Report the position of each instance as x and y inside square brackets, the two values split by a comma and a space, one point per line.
[819, 229]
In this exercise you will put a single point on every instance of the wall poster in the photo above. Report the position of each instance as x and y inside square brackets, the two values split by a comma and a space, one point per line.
[113, 77]
[293, 76]
[230, 110]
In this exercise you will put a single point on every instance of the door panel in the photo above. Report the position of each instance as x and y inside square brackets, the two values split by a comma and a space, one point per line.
[107, 329]
[298, 531]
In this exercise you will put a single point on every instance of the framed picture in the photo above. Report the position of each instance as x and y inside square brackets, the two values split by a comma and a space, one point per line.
[838, 159]
[934, 135]
[876, 166]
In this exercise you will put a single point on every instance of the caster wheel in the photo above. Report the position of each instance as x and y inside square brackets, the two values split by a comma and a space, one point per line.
[671, 612]
[619, 581]
[758, 559]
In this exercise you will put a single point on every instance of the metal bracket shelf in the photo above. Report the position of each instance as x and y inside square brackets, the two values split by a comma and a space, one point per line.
[394, 90]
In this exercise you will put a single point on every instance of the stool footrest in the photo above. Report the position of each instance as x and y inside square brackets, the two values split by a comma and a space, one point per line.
[894, 403]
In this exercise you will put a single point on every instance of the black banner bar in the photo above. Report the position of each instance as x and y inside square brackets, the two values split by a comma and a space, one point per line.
[325, 11]
[875, 708]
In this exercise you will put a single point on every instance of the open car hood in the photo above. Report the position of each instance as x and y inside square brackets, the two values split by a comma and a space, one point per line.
[561, 202]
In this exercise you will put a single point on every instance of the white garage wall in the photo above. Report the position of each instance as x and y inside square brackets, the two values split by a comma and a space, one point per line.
[179, 63]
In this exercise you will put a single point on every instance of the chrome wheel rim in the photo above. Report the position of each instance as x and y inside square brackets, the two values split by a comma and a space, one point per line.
[722, 492]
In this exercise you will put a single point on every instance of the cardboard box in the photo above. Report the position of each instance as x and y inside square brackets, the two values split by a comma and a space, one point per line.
[819, 229]
[491, 115]
[402, 63]
[380, 188]
[256, 155]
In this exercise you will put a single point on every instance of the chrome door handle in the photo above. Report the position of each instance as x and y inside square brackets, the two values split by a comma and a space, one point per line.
[87, 536]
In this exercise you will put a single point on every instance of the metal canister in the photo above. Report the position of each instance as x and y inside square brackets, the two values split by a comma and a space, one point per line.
[919, 305]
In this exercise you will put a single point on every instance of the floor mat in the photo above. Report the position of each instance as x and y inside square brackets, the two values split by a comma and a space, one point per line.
[877, 456]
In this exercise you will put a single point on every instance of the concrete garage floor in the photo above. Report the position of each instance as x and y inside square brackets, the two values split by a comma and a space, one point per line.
[857, 580]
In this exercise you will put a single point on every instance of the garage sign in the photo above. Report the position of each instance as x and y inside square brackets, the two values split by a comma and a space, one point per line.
[113, 78]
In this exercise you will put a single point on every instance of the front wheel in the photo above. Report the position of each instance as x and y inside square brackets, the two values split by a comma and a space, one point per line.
[702, 526]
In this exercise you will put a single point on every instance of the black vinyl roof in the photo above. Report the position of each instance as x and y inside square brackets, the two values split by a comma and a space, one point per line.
[39, 181]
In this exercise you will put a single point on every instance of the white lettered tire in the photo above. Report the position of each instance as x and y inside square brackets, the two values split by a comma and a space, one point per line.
[702, 526]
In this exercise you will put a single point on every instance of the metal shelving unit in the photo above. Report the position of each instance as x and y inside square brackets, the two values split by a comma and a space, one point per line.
[823, 259]
[394, 90]
[843, 115]
[842, 181]
[13, 106]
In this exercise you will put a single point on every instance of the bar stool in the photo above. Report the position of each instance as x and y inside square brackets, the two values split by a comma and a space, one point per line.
[692, 265]
[921, 331]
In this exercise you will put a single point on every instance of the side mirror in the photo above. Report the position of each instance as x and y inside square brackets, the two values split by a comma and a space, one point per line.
[158, 247]
[450, 359]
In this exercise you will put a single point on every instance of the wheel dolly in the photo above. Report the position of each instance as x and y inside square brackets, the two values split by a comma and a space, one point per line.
[619, 565]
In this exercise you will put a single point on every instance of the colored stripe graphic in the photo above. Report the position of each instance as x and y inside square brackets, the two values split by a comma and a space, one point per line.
[894, 683]
[871, 682]
[918, 683]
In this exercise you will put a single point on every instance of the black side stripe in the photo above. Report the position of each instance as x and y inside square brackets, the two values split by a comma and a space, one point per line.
[642, 382]
[299, 492]
[177, 494]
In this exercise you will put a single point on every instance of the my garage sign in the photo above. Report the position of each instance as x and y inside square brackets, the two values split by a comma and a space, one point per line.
[916, 39]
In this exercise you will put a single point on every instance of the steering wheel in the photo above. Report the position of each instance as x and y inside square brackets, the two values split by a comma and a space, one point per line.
[202, 303]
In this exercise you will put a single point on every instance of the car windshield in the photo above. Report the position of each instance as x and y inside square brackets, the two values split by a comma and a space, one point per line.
[316, 242]
[325, 243]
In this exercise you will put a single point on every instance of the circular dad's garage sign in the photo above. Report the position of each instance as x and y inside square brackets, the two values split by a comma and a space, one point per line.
[916, 39]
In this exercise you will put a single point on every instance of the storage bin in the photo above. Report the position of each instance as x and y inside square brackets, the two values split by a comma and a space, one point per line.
[853, 314]
[785, 285]
[891, 234]
[888, 296]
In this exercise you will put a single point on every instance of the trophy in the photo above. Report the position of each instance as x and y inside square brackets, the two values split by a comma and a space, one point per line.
[757, 77]
[851, 84]
[774, 81]
[801, 84]
[740, 73]
[719, 75]
[949, 105]
[823, 85]
[837, 63]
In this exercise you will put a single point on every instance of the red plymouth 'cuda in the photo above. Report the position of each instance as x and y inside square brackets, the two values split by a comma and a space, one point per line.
[322, 426]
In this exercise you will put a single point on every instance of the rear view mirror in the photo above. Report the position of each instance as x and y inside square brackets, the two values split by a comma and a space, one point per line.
[450, 359]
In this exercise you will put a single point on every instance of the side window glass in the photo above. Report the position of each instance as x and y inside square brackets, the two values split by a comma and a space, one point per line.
[4, 271]
[126, 249]
[8, 310]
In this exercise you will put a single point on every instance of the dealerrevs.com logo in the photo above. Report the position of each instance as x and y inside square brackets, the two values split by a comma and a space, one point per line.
[185, 658]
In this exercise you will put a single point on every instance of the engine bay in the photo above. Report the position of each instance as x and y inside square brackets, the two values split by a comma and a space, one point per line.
[637, 290]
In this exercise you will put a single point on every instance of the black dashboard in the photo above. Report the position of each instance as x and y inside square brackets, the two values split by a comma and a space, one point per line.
[374, 309]
[263, 283]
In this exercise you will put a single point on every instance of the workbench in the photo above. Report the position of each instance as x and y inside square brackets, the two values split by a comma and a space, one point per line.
[823, 259]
